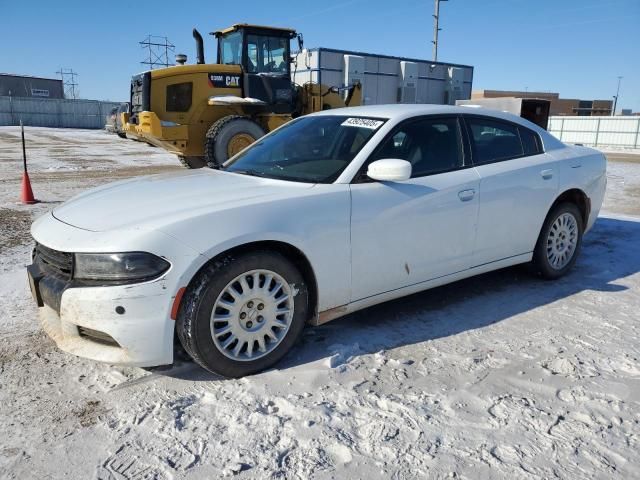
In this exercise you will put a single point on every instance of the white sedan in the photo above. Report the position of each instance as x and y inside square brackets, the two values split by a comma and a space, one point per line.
[329, 214]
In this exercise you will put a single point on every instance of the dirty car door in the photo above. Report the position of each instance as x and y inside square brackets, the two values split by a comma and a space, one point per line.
[409, 232]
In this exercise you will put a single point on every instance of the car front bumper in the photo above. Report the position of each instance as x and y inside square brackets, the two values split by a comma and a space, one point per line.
[127, 324]
[89, 326]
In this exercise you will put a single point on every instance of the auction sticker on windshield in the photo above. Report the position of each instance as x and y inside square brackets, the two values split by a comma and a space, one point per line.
[362, 122]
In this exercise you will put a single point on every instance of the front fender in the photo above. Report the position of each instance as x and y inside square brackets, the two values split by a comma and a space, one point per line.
[317, 223]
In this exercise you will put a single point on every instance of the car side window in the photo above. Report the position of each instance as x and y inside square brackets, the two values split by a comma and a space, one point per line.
[493, 141]
[430, 145]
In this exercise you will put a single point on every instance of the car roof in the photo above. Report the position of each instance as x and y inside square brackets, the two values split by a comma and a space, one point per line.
[398, 112]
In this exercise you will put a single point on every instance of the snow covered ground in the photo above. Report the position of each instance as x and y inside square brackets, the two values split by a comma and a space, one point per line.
[499, 376]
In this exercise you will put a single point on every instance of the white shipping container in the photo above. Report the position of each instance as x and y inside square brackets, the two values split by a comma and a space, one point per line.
[385, 79]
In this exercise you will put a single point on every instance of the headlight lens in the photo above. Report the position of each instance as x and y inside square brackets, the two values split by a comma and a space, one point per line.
[130, 266]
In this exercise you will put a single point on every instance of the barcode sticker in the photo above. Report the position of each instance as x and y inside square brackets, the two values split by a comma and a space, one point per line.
[362, 122]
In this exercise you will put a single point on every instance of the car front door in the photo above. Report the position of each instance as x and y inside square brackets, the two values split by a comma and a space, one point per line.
[404, 233]
[518, 183]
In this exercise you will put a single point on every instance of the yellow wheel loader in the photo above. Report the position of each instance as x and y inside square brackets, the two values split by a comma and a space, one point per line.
[206, 113]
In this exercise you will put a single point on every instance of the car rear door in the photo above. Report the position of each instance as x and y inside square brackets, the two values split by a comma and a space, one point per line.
[404, 233]
[518, 183]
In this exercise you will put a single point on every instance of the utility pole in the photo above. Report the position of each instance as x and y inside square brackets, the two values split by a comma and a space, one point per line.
[69, 83]
[615, 98]
[436, 28]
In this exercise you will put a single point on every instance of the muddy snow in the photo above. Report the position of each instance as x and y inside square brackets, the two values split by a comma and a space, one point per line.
[501, 376]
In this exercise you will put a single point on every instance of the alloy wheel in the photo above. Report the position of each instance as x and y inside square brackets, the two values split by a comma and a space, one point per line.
[252, 315]
[562, 241]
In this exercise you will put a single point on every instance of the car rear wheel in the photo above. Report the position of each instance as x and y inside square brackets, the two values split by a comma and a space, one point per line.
[559, 242]
[242, 314]
[228, 136]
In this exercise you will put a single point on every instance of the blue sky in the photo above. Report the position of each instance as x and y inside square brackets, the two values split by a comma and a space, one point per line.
[575, 47]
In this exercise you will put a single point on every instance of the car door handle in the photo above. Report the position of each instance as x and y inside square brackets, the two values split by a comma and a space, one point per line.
[466, 195]
[546, 174]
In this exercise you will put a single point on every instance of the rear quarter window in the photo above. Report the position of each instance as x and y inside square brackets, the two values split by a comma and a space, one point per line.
[530, 142]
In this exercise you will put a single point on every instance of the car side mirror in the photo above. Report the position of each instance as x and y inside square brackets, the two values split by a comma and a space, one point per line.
[389, 170]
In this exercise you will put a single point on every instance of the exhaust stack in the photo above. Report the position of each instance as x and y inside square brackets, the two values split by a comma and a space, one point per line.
[199, 46]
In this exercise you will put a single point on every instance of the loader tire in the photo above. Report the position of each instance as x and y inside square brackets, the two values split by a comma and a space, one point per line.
[192, 162]
[228, 136]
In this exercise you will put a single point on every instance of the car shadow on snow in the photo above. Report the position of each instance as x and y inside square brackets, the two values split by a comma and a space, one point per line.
[610, 252]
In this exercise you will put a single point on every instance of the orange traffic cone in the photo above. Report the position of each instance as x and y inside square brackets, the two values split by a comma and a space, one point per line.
[26, 194]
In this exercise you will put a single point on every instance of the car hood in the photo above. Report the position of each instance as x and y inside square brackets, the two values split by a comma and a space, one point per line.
[157, 199]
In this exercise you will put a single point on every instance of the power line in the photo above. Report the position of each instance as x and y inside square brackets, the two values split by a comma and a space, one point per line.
[69, 83]
[158, 49]
[436, 28]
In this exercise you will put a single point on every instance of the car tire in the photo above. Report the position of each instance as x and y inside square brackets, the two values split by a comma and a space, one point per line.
[228, 136]
[121, 135]
[559, 242]
[206, 327]
[192, 162]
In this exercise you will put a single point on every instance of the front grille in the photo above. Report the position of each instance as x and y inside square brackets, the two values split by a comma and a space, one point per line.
[140, 93]
[98, 337]
[59, 263]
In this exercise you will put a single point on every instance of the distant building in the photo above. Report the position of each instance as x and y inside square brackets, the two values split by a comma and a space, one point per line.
[26, 86]
[559, 106]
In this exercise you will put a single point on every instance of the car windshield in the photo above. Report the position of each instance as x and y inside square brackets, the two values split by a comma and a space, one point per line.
[309, 149]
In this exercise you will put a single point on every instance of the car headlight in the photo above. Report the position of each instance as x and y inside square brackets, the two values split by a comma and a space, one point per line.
[118, 267]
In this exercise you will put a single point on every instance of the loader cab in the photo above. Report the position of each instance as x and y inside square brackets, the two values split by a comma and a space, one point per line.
[264, 54]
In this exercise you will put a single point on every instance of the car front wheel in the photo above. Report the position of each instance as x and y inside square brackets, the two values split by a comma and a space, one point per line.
[559, 242]
[243, 313]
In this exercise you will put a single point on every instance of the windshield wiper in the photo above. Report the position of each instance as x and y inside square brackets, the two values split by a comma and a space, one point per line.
[274, 176]
[253, 173]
